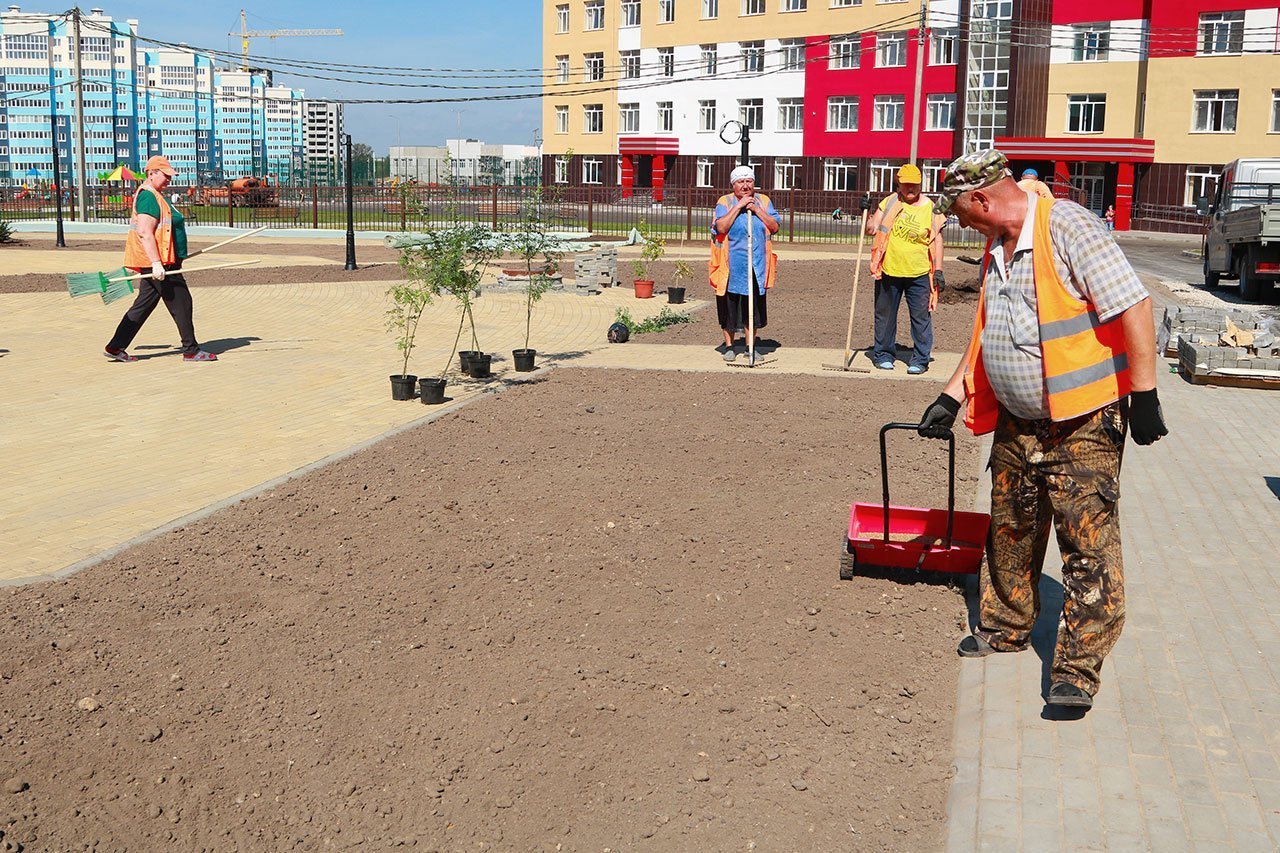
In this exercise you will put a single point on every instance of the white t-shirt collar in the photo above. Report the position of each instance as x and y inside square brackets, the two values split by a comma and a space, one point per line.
[1026, 239]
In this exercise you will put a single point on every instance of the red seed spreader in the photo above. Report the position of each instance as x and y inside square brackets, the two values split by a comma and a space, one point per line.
[885, 537]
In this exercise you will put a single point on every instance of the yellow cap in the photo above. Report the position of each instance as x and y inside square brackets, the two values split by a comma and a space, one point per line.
[909, 174]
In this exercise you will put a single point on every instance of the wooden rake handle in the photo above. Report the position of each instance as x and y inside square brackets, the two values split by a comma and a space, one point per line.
[853, 300]
[225, 242]
[184, 272]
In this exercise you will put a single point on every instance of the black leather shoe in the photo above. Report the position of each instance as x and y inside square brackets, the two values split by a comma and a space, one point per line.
[1062, 693]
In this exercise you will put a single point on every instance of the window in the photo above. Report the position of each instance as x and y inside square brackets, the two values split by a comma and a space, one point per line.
[562, 119]
[933, 172]
[844, 52]
[946, 46]
[891, 50]
[795, 5]
[666, 117]
[752, 55]
[1221, 32]
[1215, 110]
[562, 170]
[751, 112]
[1201, 181]
[704, 172]
[630, 13]
[562, 69]
[844, 4]
[753, 7]
[628, 118]
[839, 175]
[1090, 42]
[595, 15]
[707, 116]
[1275, 110]
[593, 118]
[1086, 113]
[842, 113]
[593, 65]
[786, 175]
[710, 9]
[889, 112]
[883, 176]
[790, 113]
[709, 60]
[590, 171]
[562, 18]
[667, 59]
[942, 112]
[630, 64]
[666, 11]
[792, 53]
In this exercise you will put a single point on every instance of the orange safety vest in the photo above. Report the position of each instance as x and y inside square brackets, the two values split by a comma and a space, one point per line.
[718, 266]
[135, 257]
[880, 245]
[1085, 362]
[1034, 185]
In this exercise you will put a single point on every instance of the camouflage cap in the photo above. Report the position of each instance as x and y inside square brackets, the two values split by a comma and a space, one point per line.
[972, 171]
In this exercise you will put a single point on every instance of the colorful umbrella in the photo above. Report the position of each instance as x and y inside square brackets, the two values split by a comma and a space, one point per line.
[122, 173]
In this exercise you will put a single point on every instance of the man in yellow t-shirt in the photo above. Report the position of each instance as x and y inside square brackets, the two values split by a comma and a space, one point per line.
[906, 260]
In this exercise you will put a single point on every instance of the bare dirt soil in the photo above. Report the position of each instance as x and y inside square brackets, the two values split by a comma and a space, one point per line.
[810, 308]
[586, 613]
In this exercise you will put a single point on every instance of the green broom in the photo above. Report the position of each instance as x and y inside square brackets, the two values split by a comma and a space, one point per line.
[118, 288]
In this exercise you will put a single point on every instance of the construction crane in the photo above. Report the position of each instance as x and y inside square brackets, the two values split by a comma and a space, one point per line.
[245, 34]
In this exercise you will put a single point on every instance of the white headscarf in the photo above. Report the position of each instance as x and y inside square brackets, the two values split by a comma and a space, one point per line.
[741, 173]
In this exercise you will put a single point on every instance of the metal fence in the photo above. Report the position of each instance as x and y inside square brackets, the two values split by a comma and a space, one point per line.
[1167, 218]
[804, 216]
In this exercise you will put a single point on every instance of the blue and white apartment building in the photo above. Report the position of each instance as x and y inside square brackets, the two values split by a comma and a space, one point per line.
[213, 124]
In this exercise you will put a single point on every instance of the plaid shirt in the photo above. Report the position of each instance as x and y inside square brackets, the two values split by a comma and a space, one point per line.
[1092, 268]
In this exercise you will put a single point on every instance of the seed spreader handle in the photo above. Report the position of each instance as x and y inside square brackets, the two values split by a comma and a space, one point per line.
[951, 476]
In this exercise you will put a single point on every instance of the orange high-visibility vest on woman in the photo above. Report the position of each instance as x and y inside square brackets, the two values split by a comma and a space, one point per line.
[135, 256]
[718, 266]
[1085, 362]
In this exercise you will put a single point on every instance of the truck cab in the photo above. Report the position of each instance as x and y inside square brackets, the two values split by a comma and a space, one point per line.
[1243, 237]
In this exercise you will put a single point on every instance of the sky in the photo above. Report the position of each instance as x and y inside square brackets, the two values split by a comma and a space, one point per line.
[498, 34]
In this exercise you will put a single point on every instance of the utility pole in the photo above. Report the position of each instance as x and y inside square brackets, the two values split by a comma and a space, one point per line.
[79, 90]
[922, 42]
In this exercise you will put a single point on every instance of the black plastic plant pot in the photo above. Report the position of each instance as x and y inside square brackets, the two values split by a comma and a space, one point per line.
[675, 295]
[464, 359]
[432, 391]
[402, 386]
[523, 359]
[480, 365]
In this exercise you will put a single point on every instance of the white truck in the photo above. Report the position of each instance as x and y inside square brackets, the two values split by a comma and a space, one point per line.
[1243, 240]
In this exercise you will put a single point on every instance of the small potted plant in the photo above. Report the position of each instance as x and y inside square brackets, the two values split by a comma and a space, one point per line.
[675, 293]
[409, 299]
[652, 248]
[539, 250]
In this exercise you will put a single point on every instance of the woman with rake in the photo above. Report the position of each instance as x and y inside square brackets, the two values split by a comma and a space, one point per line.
[157, 241]
[730, 271]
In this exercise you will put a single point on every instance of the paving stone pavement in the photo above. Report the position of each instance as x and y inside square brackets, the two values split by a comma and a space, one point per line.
[1180, 749]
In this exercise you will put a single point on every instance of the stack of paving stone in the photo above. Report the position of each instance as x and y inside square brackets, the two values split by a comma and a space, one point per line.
[507, 282]
[1203, 338]
[595, 271]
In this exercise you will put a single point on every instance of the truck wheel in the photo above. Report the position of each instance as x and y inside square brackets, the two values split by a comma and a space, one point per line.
[1250, 285]
[1211, 279]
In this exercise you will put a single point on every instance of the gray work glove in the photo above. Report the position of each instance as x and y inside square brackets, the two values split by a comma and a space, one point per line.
[939, 417]
[157, 271]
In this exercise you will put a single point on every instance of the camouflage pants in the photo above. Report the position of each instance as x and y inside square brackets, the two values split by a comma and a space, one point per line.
[1068, 474]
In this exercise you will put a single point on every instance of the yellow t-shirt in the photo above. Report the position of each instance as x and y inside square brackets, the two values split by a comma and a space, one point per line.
[907, 254]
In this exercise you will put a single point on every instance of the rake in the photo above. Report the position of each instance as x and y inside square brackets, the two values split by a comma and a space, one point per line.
[118, 288]
[86, 283]
[847, 364]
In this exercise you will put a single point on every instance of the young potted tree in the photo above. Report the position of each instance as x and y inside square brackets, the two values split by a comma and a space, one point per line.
[539, 250]
[652, 248]
[409, 299]
[675, 293]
